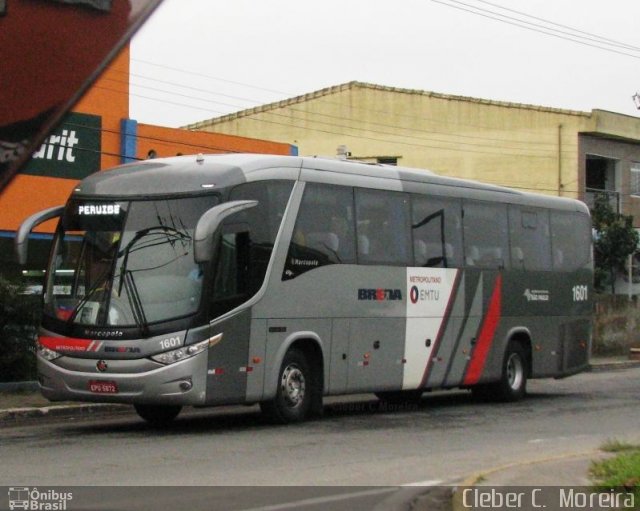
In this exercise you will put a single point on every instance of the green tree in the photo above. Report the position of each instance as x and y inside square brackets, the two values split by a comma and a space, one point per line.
[19, 318]
[615, 240]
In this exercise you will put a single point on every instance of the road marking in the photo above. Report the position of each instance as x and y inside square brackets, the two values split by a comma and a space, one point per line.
[555, 439]
[432, 482]
[322, 500]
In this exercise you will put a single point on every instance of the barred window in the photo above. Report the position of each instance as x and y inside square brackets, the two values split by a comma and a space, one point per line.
[634, 179]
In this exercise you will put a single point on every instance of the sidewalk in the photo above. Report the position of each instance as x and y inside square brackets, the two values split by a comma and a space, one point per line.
[569, 470]
[551, 484]
[22, 401]
[612, 363]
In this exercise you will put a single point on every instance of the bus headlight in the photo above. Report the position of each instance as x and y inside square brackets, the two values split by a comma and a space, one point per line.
[48, 354]
[173, 356]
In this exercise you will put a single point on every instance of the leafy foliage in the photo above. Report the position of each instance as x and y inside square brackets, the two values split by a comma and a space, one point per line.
[621, 472]
[616, 239]
[19, 319]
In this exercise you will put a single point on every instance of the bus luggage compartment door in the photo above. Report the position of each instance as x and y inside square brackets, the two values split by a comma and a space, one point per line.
[574, 346]
[376, 350]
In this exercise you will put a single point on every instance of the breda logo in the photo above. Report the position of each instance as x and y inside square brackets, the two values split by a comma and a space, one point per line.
[379, 294]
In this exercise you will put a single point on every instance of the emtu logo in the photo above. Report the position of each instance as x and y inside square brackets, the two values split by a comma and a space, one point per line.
[58, 147]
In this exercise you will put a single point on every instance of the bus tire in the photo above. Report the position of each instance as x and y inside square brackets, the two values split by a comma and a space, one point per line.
[512, 385]
[158, 415]
[294, 393]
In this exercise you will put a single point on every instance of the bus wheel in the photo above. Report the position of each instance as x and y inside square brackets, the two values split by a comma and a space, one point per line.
[400, 397]
[295, 388]
[512, 385]
[156, 414]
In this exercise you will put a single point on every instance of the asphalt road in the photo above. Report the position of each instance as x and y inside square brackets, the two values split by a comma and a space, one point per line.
[358, 443]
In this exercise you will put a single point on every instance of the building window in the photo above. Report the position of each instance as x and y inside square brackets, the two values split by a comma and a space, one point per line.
[603, 179]
[634, 180]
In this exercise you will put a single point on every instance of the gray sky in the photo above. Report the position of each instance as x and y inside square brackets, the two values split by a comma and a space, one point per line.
[197, 59]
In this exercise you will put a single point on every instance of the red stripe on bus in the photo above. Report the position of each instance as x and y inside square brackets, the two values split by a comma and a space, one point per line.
[487, 333]
[64, 343]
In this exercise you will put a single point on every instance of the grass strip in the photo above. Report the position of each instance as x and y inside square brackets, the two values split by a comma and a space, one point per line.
[620, 472]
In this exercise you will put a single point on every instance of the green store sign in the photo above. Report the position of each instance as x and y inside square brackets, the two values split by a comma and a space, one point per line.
[72, 151]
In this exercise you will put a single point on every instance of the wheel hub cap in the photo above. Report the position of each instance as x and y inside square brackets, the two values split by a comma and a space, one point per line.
[293, 386]
[515, 371]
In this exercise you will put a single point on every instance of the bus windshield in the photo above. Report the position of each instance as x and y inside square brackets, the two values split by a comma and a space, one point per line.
[125, 263]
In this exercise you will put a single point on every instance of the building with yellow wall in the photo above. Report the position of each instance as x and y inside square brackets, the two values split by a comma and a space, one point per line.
[546, 150]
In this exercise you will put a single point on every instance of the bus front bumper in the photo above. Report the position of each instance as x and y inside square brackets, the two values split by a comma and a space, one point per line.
[181, 383]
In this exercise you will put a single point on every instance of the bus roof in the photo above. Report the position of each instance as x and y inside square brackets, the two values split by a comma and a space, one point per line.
[188, 175]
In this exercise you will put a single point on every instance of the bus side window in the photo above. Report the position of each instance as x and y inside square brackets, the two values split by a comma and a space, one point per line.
[437, 231]
[383, 218]
[263, 223]
[529, 234]
[486, 235]
[232, 284]
[324, 231]
[570, 240]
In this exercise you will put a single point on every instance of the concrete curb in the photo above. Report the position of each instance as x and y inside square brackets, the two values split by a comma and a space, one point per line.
[59, 411]
[613, 366]
[19, 386]
[477, 477]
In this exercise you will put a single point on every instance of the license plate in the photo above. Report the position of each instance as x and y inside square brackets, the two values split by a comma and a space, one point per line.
[103, 387]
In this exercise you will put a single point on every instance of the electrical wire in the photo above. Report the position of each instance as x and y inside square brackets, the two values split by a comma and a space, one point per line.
[287, 96]
[457, 145]
[412, 129]
[518, 185]
[603, 39]
[485, 13]
[457, 148]
[623, 198]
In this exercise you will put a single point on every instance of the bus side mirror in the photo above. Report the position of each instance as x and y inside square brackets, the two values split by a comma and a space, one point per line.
[22, 236]
[209, 223]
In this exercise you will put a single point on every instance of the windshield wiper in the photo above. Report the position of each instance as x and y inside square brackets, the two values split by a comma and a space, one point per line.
[134, 302]
[128, 249]
[168, 235]
[102, 278]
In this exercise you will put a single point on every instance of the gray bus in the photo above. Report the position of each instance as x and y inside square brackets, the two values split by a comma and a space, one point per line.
[218, 279]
